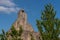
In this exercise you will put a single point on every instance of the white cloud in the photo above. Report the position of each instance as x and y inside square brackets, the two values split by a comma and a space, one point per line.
[8, 6]
[8, 9]
[7, 3]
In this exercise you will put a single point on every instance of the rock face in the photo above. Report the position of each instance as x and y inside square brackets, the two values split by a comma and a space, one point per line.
[27, 28]
[22, 20]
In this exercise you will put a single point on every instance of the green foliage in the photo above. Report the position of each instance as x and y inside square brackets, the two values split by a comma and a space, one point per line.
[3, 35]
[49, 25]
[13, 31]
[16, 34]
[20, 30]
[32, 38]
[20, 33]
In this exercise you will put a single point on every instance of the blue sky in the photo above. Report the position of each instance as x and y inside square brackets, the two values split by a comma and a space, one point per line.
[33, 8]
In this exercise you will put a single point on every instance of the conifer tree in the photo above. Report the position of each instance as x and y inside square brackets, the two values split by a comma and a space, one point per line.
[49, 25]
[3, 35]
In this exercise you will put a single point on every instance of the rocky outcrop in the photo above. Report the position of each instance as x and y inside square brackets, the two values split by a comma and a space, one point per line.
[22, 20]
[27, 28]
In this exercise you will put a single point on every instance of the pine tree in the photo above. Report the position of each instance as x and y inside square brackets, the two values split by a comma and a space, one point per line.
[49, 25]
[3, 35]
